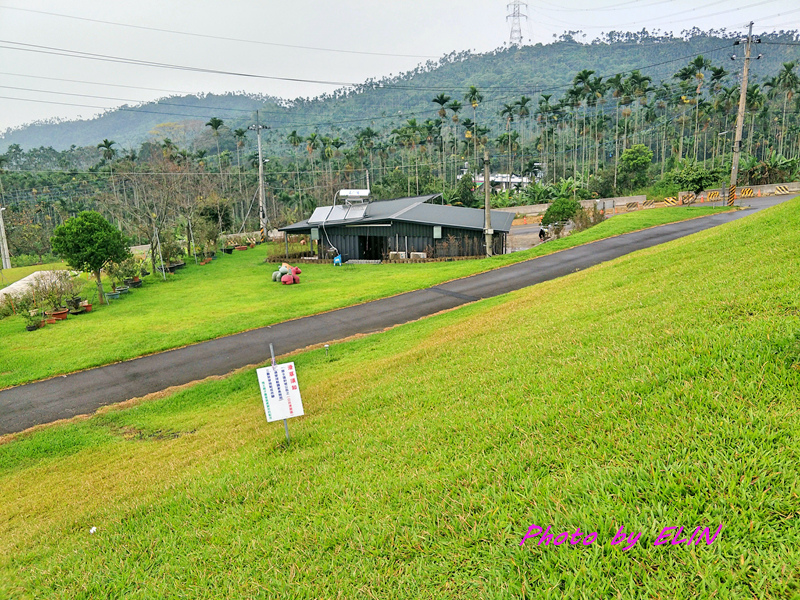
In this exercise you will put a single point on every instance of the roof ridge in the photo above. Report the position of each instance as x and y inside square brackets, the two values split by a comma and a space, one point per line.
[406, 209]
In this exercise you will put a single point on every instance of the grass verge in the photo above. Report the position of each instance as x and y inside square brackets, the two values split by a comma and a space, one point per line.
[9, 276]
[235, 294]
[659, 390]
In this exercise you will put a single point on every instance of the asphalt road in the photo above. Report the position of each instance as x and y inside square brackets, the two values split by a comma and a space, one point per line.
[66, 396]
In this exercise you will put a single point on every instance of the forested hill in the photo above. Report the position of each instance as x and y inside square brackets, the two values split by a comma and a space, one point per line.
[502, 76]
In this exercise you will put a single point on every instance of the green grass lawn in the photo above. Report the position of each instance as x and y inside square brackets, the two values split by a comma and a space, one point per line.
[235, 293]
[656, 390]
[9, 276]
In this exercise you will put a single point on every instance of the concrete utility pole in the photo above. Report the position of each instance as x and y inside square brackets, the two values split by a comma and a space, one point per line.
[737, 141]
[6, 258]
[487, 192]
[262, 207]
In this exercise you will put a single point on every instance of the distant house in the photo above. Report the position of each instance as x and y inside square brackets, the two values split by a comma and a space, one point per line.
[502, 181]
[378, 230]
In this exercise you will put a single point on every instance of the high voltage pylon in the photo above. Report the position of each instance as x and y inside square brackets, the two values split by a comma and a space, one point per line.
[515, 16]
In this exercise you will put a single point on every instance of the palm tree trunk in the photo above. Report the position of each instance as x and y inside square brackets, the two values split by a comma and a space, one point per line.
[783, 123]
[239, 168]
[616, 150]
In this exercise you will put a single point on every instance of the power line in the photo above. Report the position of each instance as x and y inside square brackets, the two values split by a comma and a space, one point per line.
[108, 58]
[661, 21]
[336, 122]
[621, 6]
[146, 63]
[215, 37]
[133, 87]
[158, 102]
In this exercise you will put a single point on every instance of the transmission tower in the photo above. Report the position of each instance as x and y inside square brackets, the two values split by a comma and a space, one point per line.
[515, 16]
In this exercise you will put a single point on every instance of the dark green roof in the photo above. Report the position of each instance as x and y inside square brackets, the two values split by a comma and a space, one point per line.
[410, 210]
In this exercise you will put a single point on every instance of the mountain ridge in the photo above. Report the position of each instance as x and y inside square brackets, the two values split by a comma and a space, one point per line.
[501, 75]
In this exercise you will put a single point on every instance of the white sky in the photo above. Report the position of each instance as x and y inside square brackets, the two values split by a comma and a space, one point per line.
[419, 30]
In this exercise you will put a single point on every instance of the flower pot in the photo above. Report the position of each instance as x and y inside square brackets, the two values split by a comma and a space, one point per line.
[31, 327]
[86, 306]
[51, 320]
[241, 247]
[121, 289]
[60, 314]
[136, 284]
[112, 295]
[228, 250]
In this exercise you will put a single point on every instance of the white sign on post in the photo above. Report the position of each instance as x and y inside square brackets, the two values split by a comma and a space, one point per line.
[280, 392]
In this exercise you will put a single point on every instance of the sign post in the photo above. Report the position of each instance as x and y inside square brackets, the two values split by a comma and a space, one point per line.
[280, 392]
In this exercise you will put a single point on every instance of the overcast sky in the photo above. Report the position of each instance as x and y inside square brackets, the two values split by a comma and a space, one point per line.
[334, 41]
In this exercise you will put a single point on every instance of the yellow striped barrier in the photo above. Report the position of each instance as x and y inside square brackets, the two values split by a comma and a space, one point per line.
[747, 192]
[689, 198]
[781, 190]
[649, 203]
[731, 194]
[670, 201]
[713, 196]
[632, 205]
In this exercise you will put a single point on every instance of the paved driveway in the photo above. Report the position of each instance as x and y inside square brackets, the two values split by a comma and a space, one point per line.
[84, 392]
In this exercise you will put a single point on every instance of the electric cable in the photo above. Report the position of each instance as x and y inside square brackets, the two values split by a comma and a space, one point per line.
[214, 37]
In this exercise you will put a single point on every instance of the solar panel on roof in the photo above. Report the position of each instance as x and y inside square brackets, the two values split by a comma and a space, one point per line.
[331, 214]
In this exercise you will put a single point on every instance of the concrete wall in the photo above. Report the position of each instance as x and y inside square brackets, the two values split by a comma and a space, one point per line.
[743, 192]
[610, 205]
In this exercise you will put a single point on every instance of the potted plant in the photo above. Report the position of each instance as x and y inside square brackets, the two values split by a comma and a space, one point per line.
[143, 272]
[114, 272]
[75, 304]
[129, 270]
[50, 288]
[171, 251]
[33, 320]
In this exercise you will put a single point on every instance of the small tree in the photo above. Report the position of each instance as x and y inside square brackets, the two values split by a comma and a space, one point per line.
[464, 193]
[562, 209]
[634, 164]
[694, 177]
[88, 242]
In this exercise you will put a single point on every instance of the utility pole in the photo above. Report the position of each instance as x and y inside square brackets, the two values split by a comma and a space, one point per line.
[262, 207]
[737, 141]
[487, 221]
[6, 258]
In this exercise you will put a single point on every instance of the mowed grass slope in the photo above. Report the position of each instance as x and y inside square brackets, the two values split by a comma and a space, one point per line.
[9, 276]
[657, 390]
[235, 294]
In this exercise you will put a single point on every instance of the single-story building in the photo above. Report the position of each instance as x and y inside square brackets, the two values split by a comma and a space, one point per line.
[388, 229]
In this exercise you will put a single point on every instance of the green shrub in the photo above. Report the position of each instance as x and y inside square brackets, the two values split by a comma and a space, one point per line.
[693, 177]
[28, 260]
[562, 209]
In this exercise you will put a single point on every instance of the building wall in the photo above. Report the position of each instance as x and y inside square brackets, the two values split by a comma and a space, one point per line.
[411, 237]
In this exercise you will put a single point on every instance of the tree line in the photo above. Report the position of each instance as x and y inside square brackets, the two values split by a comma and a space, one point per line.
[580, 143]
